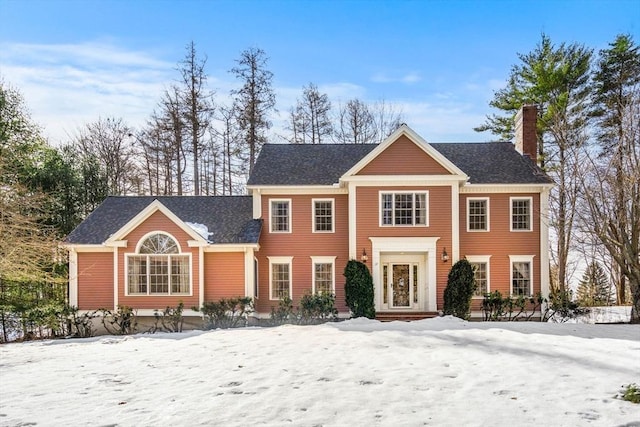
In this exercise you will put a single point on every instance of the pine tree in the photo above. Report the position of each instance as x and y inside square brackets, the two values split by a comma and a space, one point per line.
[594, 288]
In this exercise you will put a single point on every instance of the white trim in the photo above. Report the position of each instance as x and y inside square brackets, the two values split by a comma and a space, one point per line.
[255, 266]
[73, 278]
[323, 260]
[486, 213]
[417, 140]
[231, 247]
[289, 216]
[353, 220]
[511, 200]
[333, 215]
[393, 208]
[478, 259]
[505, 188]
[142, 216]
[201, 283]
[418, 245]
[148, 293]
[404, 180]
[257, 202]
[248, 273]
[455, 224]
[521, 258]
[544, 243]
[280, 260]
[280, 190]
[149, 234]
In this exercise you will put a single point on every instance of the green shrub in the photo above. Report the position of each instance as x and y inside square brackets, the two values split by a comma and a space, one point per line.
[317, 308]
[561, 308]
[169, 320]
[284, 313]
[631, 393]
[359, 290]
[459, 291]
[497, 308]
[226, 312]
[81, 324]
[124, 321]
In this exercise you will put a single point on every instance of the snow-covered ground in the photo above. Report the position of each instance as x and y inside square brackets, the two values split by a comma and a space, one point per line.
[436, 372]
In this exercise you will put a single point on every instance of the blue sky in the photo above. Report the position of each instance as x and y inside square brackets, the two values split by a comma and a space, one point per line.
[436, 62]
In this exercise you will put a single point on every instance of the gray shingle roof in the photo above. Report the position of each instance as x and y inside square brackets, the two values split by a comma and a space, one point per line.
[324, 164]
[228, 218]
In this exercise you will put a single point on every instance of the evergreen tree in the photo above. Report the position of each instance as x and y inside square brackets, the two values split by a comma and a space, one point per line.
[461, 284]
[594, 288]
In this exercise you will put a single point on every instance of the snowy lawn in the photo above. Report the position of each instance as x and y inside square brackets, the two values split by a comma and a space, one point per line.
[438, 372]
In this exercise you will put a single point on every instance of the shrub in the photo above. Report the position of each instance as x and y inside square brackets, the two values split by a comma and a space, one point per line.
[226, 312]
[124, 321]
[317, 308]
[561, 308]
[459, 291]
[81, 325]
[359, 290]
[497, 308]
[169, 320]
[631, 393]
[284, 313]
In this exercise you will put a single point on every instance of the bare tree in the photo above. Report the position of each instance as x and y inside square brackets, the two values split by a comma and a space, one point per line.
[110, 142]
[356, 124]
[254, 100]
[386, 118]
[310, 122]
[617, 225]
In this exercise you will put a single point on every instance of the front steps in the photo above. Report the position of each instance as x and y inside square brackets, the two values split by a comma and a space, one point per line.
[405, 316]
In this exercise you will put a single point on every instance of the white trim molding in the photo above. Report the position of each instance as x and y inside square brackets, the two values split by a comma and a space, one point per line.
[486, 213]
[521, 258]
[515, 198]
[289, 216]
[333, 215]
[280, 260]
[323, 260]
[479, 259]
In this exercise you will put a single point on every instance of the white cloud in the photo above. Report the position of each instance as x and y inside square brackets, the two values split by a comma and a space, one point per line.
[408, 78]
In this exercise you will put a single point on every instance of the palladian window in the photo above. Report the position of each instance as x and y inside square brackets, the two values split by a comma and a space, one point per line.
[159, 268]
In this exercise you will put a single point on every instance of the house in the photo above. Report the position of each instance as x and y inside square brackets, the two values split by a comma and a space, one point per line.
[407, 208]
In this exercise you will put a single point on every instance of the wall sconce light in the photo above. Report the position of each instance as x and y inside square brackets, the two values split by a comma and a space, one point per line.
[445, 255]
[364, 256]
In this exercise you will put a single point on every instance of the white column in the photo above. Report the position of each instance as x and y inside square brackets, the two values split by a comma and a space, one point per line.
[73, 278]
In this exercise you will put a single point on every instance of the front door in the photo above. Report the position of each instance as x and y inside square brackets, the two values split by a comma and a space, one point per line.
[401, 289]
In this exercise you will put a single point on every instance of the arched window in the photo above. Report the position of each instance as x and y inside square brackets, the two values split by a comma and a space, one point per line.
[158, 268]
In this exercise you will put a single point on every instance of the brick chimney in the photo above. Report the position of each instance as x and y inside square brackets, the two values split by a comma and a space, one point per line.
[526, 133]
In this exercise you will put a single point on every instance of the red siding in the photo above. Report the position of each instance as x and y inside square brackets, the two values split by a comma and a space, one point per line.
[302, 244]
[368, 224]
[157, 222]
[500, 242]
[95, 280]
[223, 275]
[403, 152]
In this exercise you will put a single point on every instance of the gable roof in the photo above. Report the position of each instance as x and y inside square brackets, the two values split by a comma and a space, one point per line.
[229, 219]
[325, 164]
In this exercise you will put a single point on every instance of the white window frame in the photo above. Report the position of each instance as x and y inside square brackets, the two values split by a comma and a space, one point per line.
[486, 213]
[513, 199]
[290, 212]
[313, 216]
[280, 260]
[482, 259]
[137, 254]
[521, 258]
[323, 260]
[256, 283]
[393, 209]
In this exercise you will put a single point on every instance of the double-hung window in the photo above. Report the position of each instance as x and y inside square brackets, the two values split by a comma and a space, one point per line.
[521, 214]
[158, 268]
[521, 275]
[480, 264]
[398, 209]
[323, 214]
[477, 214]
[280, 215]
[280, 278]
[323, 275]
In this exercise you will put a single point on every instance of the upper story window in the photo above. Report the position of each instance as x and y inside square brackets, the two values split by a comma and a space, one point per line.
[398, 209]
[521, 275]
[158, 268]
[280, 215]
[477, 214]
[323, 215]
[521, 214]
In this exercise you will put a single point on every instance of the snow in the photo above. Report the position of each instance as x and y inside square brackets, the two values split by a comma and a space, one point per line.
[434, 372]
[201, 229]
